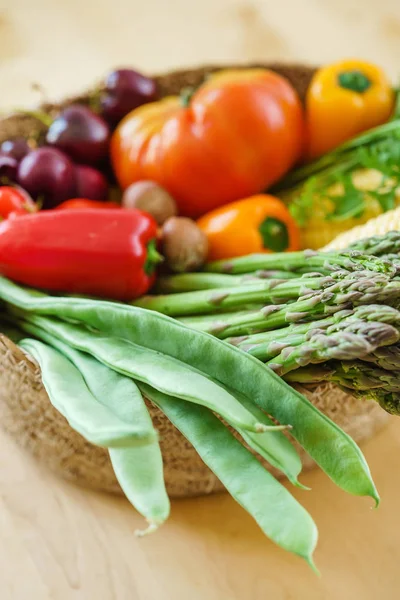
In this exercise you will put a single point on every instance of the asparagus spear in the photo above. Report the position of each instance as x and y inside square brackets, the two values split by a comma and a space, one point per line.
[387, 358]
[351, 260]
[340, 345]
[189, 282]
[205, 301]
[341, 286]
[367, 382]
[344, 320]
[379, 245]
[355, 288]
[281, 346]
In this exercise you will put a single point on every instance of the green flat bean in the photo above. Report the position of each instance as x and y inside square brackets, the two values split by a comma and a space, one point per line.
[278, 514]
[272, 445]
[332, 449]
[139, 471]
[162, 372]
[70, 395]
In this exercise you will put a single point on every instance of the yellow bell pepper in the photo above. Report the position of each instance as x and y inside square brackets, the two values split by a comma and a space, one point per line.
[344, 99]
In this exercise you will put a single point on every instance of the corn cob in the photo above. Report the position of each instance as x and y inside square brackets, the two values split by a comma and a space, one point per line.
[389, 221]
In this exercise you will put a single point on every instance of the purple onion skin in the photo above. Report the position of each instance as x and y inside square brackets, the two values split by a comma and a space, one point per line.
[8, 168]
[90, 183]
[82, 134]
[17, 148]
[125, 89]
[47, 174]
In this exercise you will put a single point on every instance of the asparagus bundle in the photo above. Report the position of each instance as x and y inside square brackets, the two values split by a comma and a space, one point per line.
[310, 316]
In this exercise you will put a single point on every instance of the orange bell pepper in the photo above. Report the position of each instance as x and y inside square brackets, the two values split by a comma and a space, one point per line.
[260, 223]
[236, 135]
[343, 100]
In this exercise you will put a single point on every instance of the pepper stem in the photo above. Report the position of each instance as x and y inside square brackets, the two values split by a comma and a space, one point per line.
[153, 258]
[354, 80]
[274, 234]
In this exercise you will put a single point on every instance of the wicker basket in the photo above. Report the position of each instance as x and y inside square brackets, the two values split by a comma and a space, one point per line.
[27, 414]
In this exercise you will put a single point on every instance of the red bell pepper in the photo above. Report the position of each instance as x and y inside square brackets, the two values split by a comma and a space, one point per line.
[107, 253]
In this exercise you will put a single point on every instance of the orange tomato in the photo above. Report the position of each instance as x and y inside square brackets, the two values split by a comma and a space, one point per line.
[260, 223]
[238, 134]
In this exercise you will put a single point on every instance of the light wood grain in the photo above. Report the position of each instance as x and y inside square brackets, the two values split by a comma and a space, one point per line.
[58, 542]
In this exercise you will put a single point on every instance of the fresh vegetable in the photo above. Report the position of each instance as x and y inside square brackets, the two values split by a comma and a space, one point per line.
[124, 90]
[344, 99]
[358, 342]
[82, 203]
[90, 183]
[280, 517]
[233, 137]
[138, 362]
[347, 187]
[47, 174]
[71, 396]
[384, 224]
[14, 201]
[270, 444]
[144, 487]
[80, 133]
[150, 197]
[110, 253]
[339, 321]
[190, 282]
[360, 319]
[306, 261]
[138, 467]
[365, 380]
[314, 293]
[223, 363]
[184, 245]
[258, 224]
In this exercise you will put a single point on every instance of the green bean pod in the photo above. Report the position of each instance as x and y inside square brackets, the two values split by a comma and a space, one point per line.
[105, 383]
[275, 510]
[70, 395]
[161, 371]
[139, 471]
[330, 447]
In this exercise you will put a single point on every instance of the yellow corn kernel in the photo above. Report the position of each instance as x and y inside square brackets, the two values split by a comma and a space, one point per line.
[388, 221]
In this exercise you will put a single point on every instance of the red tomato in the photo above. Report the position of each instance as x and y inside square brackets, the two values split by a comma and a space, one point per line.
[237, 135]
[15, 201]
[75, 203]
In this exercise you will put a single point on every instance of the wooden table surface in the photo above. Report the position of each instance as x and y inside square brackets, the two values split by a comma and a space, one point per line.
[58, 542]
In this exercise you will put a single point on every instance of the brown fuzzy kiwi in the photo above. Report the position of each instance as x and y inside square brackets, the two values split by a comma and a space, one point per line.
[27, 414]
